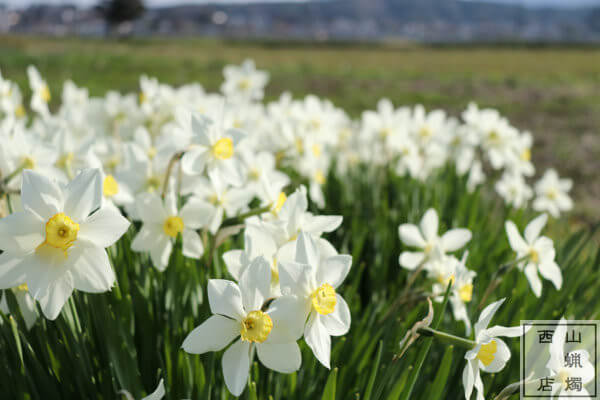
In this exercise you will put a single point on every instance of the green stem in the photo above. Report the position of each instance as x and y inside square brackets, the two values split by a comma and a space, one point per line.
[16, 172]
[448, 338]
[497, 278]
[240, 218]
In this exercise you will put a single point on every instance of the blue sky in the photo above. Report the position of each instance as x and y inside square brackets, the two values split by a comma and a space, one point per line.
[84, 3]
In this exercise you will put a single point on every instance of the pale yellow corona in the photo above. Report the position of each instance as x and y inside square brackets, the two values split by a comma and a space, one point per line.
[173, 226]
[66, 160]
[28, 163]
[534, 255]
[281, 199]
[255, 328]
[324, 299]
[223, 149]
[487, 352]
[61, 232]
[110, 187]
[466, 292]
[45, 94]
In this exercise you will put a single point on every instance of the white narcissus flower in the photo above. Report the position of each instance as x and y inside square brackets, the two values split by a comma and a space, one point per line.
[561, 371]
[56, 244]
[26, 305]
[514, 190]
[538, 253]
[162, 223]
[238, 313]
[244, 81]
[313, 281]
[552, 194]
[425, 237]
[215, 150]
[41, 94]
[490, 353]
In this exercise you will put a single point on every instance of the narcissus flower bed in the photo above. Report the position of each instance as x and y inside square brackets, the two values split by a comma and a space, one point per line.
[207, 245]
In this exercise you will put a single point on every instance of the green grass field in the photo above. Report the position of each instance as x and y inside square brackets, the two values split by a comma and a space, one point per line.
[552, 92]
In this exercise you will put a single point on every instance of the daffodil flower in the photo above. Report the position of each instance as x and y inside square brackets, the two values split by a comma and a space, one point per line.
[561, 372]
[162, 223]
[56, 244]
[425, 237]
[244, 82]
[26, 304]
[552, 194]
[215, 150]
[240, 317]
[537, 253]
[490, 353]
[313, 281]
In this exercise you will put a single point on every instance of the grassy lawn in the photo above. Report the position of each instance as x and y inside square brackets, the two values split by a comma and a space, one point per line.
[553, 92]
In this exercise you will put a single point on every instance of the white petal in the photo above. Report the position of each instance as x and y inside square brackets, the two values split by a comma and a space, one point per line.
[161, 252]
[296, 278]
[534, 280]
[192, 244]
[334, 270]
[91, 270]
[468, 379]
[12, 271]
[281, 357]
[104, 227]
[306, 250]
[338, 322]
[411, 260]
[196, 213]
[557, 346]
[410, 235]
[430, 224]
[236, 366]
[194, 160]
[499, 330]
[255, 284]
[225, 298]
[288, 314]
[27, 307]
[55, 296]
[40, 195]
[233, 261]
[534, 228]
[150, 208]
[83, 194]
[158, 393]
[486, 316]
[514, 238]
[455, 239]
[147, 238]
[551, 271]
[318, 339]
[212, 335]
[317, 224]
[21, 232]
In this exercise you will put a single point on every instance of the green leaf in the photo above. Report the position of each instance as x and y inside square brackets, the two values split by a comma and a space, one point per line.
[439, 383]
[329, 392]
[374, 369]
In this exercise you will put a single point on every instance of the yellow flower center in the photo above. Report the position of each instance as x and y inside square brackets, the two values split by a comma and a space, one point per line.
[563, 376]
[256, 327]
[425, 132]
[494, 137]
[315, 124]
[299, 146]
[526, 155]
[487, 352]
[552, 194]
[23, 288]
[142, 97]
[214, 200]
[319, 177]
[274, 273]
[281, 199]
[243, 84]
[173, 226]
[316, 149]
[110, 187]
[20, 111]
[223, 149]
[385, 132]
[254, 174]
[534, 255]
[61, 232]
[153, 184]
[65, 160]
[28, 163]
[323, 299]
[466, 292]
[45, 93]
[151, 152]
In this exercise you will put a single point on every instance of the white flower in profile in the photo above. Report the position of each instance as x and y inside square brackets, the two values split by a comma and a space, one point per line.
[41, 94]
[537, 253]
[451, 269]
[162, 223]
[238, 313]
[158, 393]
[425, 237]
[552, 194]
[514, 190]
[56, 244]
[26, 305]
[490, 353]
[215, 150]
[258, 242]
[313, 281]
[244, 81]
[476, 176]
[562, 372]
